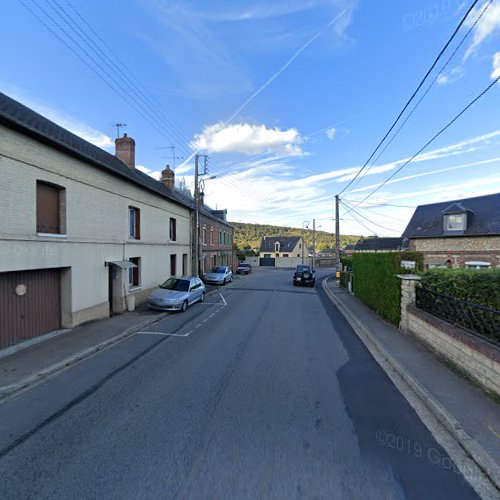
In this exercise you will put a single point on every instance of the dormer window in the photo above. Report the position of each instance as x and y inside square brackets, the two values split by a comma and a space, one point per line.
[277, 246]
[455, 222]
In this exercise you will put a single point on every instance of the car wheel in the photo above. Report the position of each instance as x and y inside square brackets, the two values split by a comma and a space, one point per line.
[202, 298]
[184, 306]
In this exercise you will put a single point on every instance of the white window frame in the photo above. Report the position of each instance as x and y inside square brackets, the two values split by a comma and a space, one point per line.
[449, 225]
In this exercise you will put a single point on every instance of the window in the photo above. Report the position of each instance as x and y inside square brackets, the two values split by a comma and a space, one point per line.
[454, 222]
[285, 255]
[277, 255]
[277, 247]
[173, 264]
[204, 240]
[50, 208]
[211, 236]
[173, 229]
[134, 273]
[477, 264]
[134, 221]
[300, 246]
[184, 264]
[220, 237]
[298, 255]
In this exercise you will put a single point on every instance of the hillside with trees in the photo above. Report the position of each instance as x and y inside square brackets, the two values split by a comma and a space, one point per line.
[249, 236]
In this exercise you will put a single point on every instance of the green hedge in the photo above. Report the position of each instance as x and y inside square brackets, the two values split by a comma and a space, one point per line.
[376, 282]
[480, 286]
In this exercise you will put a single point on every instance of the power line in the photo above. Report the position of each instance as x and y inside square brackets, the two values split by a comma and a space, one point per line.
[457, 48]
[352, 209]
[420, 85]
[83, 47]
[380, 204]
[430, 141]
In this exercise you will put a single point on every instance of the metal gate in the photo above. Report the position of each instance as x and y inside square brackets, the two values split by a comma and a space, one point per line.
[267, 261]
[30, 304]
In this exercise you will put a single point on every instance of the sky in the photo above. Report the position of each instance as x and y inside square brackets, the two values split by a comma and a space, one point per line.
[288, 98]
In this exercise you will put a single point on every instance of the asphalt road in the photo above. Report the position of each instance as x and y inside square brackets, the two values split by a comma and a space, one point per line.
[261, 392]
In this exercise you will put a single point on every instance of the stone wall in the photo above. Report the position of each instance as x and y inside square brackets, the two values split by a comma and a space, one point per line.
[476, 357]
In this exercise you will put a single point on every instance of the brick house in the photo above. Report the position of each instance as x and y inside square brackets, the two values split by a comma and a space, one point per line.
[83, 233]
[216, 239]
[457, 234]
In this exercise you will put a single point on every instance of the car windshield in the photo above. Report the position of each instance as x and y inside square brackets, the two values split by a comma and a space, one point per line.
[244, 265]
[301, 269]
[219, 270]
[176, 284]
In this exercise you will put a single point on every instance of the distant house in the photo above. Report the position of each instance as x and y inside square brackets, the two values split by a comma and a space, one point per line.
[327, 252]
[348, 250]
[377, 244]
[458, 234]
[282, 246]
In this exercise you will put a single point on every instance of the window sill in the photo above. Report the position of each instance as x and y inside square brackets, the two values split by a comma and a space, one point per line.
[51, 235]
[134, 289]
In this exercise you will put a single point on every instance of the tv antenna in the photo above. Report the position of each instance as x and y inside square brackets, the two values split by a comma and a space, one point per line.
[118, 127]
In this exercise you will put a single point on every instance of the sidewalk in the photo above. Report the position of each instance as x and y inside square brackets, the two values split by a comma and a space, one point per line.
[27, 366]
[469, 415]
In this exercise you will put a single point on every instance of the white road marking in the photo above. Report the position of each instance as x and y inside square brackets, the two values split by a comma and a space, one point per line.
[164, 334]
[212, 315]
[223, 299]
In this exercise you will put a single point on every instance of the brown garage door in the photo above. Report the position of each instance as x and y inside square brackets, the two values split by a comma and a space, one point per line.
[30, 304]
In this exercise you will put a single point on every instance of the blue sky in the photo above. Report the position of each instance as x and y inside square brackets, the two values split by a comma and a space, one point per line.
[288, 98]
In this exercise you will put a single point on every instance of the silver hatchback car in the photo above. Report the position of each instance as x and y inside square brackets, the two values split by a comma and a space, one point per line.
[177, 294]
[220, 275]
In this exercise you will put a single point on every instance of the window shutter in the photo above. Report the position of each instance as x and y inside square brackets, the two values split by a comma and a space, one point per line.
[137, 224]
[47, 206]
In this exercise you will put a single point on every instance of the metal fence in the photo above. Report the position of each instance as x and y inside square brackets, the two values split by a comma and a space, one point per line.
[478, 319]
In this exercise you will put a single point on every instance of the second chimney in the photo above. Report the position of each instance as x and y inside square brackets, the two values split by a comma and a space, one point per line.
[125, 150]
[168, 177]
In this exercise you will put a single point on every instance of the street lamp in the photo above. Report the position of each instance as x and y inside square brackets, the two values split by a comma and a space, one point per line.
[305, 225]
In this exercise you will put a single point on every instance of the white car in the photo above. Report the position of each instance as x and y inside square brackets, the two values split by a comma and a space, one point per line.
[219, 275]
[177, 294]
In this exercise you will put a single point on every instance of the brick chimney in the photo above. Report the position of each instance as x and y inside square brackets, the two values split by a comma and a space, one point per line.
[125, 150]
[168, 177]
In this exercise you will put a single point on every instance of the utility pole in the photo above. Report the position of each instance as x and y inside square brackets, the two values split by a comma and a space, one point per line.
[197, 246]
[196, 269]
[337, 234]
[314, 241]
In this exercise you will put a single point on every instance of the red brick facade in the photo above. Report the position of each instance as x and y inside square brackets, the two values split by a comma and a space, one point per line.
[216, 244]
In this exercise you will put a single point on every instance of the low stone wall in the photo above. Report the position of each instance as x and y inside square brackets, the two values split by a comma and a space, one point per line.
[477, 357]
[292, 262]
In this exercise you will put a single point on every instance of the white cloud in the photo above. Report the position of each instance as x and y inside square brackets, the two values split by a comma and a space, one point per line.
[496, 66]
[452, 76]
[155, 174]
[488, 26]
[331, 133]
[248, 139]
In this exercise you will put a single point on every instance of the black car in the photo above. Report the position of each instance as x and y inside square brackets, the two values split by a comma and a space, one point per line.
[304, 275]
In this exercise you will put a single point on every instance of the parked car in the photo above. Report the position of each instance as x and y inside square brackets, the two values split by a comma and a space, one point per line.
[243, 268]
[219, 275]
[177, 294]
[304, 275]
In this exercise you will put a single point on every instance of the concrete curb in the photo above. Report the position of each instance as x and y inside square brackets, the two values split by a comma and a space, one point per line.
[13, 389]
[471, 447]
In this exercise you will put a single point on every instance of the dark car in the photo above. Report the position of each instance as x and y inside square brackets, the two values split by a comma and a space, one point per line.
[243, 268]
[304, 275]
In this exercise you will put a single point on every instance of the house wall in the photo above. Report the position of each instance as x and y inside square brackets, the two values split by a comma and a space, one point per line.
[460, 249]
[223, 254]
[97, 227]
